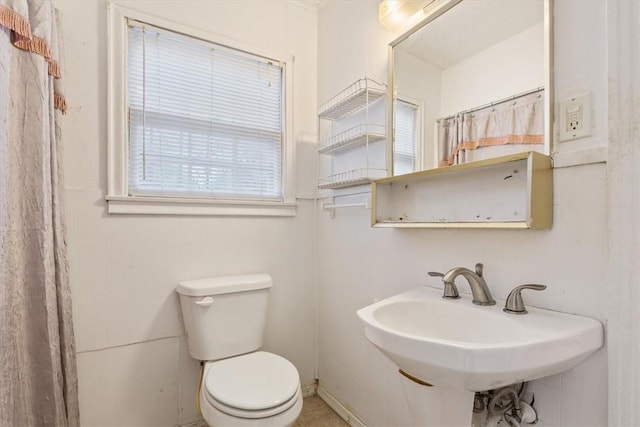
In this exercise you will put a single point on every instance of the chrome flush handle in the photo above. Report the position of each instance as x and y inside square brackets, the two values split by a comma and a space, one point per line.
[515, 304]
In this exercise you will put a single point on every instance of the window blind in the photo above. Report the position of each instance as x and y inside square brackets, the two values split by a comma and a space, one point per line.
[204, 120]
[405, 137]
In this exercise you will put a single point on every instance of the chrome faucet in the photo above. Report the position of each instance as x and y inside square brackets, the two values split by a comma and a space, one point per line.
[479, 288]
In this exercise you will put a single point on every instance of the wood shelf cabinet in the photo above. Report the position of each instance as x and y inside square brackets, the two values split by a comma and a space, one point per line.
[514, 191]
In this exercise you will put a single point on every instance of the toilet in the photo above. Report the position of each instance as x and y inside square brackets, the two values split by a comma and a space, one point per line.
[224, 318]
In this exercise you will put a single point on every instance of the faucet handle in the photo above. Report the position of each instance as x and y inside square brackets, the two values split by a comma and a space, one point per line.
[479, 268]
[515, 304]
[450, 290]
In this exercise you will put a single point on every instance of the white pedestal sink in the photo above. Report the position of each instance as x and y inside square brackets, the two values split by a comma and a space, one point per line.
[454, 343]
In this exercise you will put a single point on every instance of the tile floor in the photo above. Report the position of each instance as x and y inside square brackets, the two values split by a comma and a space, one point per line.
[316, 413]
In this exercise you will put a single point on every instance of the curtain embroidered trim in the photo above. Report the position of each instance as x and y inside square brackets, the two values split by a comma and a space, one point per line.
[23, 38]
[60, 103]
[14, 21]
[491, 142]
[32, 44]
[38, 46]
[54, 69]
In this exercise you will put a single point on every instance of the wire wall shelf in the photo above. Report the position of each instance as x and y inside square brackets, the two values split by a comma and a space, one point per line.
[352, 109]
[353, 98]
[357, 136]
[351, 178]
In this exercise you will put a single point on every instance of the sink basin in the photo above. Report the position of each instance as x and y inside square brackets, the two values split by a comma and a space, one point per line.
[457, 344]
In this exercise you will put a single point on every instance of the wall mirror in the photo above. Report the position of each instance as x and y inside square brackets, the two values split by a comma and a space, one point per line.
[471, 81]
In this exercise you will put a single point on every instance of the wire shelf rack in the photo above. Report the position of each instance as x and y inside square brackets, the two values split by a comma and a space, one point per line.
[353, 98]
[356, 136]
[351, 178]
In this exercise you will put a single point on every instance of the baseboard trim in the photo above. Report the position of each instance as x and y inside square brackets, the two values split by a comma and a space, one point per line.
[343, 412]
[309, 390]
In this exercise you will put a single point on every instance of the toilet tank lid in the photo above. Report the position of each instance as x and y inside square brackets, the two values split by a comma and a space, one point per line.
[224, 285]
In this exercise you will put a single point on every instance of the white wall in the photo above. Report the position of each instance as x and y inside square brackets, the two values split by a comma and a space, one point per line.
[134, 368]
[358, 264]
[513, 66]
[416, 80]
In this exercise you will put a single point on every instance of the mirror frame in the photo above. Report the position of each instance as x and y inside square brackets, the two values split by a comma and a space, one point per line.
[433, 11]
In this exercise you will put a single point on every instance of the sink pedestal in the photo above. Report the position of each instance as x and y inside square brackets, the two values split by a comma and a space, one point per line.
[438, 406]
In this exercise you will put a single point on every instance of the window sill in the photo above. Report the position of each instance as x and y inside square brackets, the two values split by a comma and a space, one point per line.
[129, 205]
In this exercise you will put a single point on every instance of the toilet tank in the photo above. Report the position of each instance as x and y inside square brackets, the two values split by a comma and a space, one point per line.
[224, 316]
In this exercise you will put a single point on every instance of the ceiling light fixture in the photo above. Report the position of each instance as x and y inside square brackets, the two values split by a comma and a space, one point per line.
[393, 13]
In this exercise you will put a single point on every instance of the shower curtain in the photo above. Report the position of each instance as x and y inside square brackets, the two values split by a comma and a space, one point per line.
[38, 381]
[505, 128]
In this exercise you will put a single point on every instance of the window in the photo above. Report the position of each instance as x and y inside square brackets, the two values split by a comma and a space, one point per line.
[405, 143]
[203, 123]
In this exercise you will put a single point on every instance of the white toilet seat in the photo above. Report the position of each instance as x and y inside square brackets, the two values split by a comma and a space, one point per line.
[254, 414]
[216, 418]
[252, 386]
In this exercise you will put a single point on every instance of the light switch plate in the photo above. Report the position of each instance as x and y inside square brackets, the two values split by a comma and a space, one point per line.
[575, 117]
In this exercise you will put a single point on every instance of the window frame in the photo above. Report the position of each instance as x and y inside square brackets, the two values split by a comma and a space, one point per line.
[419, 147]
[118, 199]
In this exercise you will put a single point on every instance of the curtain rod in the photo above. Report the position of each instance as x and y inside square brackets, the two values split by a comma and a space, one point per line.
[491, 104]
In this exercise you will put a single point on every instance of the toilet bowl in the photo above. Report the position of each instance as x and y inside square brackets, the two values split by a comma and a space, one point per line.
[255, 389]
[224, 319]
